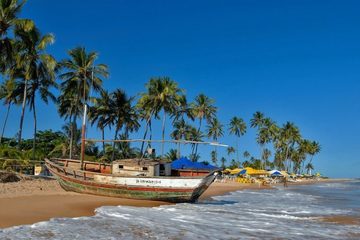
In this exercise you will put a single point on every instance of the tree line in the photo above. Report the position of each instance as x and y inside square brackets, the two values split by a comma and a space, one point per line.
[30, 74]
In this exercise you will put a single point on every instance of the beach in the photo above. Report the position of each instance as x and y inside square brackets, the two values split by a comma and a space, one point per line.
[31, 201]
[328, 209]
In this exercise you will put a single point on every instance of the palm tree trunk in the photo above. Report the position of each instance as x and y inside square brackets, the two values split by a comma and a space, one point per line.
[163, 134]
[237, 149]
[178, 151]
[144, 137]
[5, 122]
[150, 128]
[103, 138]
[200, 121]
[72, 131]
[286, 157]
[115, 137]
[35, 126]
[199, 129]
[22, 113]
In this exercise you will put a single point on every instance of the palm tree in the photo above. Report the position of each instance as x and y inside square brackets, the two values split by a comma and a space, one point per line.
[79, 73]
[213, 157]
[215, 130]
[34, 66]
[264, 135]
[237, 127]
[171, 155]
[230, 150]
[194, 135]
[9, 96]
[289, 135]
[246, 154]
[181, 130]
[265, 156]
[203, 109]
[163, 94]
[9, 20]
[99, 112]
[258, 120]
[69, 109]
[309, 167]
[41, 86]
[314, 149]
[121, 114]
[146, 112]
[223, 160]
[183, 109]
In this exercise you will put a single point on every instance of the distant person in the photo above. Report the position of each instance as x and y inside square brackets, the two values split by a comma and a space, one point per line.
[285, 182]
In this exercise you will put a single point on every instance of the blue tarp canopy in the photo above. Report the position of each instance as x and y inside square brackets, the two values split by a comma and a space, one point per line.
[275, 173]
[242, 172]
[185, 163]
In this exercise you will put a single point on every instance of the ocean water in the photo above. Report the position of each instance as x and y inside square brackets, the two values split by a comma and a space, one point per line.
[296, 212]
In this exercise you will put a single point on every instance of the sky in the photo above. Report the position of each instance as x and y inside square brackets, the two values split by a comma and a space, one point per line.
[295, 61]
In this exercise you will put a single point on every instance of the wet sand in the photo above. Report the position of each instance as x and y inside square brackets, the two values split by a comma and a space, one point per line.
[31, 201]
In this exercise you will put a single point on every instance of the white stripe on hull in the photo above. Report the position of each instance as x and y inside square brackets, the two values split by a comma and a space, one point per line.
[150, 182]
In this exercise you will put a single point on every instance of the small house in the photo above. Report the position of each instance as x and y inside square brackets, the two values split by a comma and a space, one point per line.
[141, 167]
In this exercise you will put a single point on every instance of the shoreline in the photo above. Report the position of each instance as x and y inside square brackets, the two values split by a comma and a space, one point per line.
[32, 201]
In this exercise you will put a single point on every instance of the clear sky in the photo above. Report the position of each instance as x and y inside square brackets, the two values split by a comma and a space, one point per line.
[292, 60]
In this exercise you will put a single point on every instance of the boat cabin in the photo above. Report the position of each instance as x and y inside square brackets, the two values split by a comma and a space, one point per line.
[141, 167]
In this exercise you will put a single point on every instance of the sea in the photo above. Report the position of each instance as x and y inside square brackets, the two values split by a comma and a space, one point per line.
[319, 211]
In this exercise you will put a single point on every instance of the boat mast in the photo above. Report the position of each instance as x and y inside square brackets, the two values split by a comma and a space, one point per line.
[83, 127]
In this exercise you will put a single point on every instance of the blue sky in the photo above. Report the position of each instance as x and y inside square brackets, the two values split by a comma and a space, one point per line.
[293, 60]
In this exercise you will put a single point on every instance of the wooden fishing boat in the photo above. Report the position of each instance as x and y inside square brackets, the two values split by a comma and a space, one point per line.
[131, 178]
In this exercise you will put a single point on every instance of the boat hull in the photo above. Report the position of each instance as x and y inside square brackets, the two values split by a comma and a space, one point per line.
[170, 189]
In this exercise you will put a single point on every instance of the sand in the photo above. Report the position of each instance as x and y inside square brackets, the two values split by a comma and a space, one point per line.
[31, 201]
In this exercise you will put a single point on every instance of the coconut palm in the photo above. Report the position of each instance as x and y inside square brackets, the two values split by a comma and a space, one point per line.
[203, 109]
[40, 86]
[172, 155]
[162, 94]
[265, 156]
[315, 148]
[33, 66]
[246, 154]
[79, 73]
[257, 120]
[9, 20]
[121, 114]
[289, 135]
[215, 131]
[264, 135]
[194, 135]
[181, 130]
[237, 127]
[99, 112]
[9, 96]
[69, 109]
[309, 167]
[230, 150]
[182, 109]
[223, 160]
